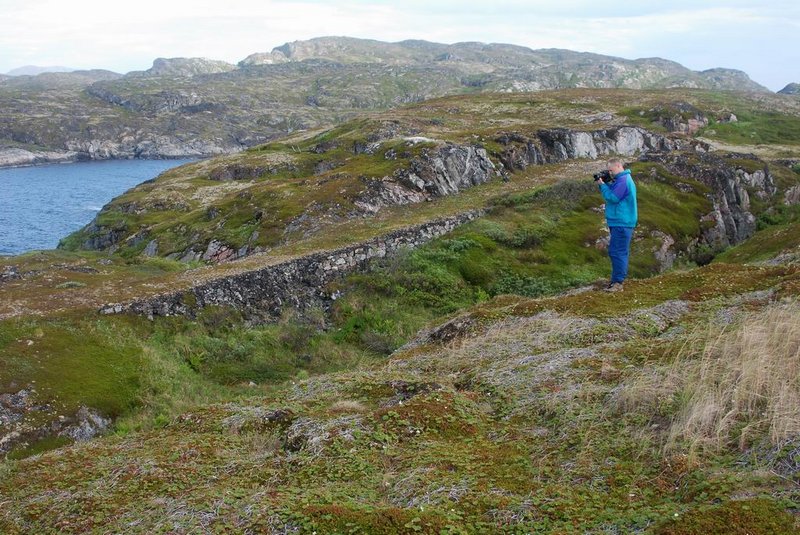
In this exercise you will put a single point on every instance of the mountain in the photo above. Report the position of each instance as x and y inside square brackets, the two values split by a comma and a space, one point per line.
[790, 89]
[553, 68]
[200, 107]
[33, 70]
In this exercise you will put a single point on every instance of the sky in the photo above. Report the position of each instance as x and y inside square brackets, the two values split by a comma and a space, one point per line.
[760, 38]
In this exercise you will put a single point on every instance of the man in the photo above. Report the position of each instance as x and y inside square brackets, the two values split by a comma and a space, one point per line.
[621, 217]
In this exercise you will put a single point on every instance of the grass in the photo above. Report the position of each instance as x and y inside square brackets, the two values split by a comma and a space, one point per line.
[756, 127]
[743, 384]
[512, 429]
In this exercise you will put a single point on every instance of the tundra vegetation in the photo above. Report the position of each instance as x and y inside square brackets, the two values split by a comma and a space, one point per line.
[478, 383]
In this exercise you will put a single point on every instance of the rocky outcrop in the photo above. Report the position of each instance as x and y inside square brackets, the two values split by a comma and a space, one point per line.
[14, 157]
[792, 196]
[732, 178]
[159, 103]
[679, 117]
[22, 414]
[557, 145]
[436, 173]
[147, 147]
[299, 284]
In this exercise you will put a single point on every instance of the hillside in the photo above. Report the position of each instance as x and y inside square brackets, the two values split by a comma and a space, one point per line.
[410, 337]
[196, 106]
[279, 193]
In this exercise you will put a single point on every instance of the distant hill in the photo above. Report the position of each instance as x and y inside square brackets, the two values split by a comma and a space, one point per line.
[187, 67]
[790, 89]
[546, 68]
[200, 107]
[33, 70]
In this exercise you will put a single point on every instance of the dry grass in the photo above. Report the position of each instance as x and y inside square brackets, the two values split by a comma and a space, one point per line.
[729, 385]
[346, 406]
[749, 377]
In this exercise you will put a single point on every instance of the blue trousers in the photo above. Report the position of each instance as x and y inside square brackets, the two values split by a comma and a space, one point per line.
[618, 250]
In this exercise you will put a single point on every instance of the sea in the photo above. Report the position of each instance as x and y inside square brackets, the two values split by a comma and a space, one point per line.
[39, 205]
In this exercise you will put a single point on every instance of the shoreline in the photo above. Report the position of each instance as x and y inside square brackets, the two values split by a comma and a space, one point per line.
[45, 162]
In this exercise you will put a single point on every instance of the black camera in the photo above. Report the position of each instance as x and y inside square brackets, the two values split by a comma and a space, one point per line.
[605, 176]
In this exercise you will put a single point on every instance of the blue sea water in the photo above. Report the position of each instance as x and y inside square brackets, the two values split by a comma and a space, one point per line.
[42, 204]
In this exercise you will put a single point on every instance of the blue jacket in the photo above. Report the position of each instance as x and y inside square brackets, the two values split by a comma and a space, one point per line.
[620, 196]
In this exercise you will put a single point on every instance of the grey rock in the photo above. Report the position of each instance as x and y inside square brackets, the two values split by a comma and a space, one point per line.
[730, 221]
[665, 254]
[436, 173]
[151, 249]
[87, 424]
[792, 196]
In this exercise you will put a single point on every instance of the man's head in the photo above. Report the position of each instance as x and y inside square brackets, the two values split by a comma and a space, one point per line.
[615, 166]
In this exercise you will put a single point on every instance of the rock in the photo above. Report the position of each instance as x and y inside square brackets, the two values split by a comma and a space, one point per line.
[731, 219]
[9, 273]
[218, 252]
[680, 117]
[13, 157]
[436, 173]
[559, 144]
[664, 254]
[87, 425]
[237, 172]
[151, 249]
[790, 198]
[187, 67]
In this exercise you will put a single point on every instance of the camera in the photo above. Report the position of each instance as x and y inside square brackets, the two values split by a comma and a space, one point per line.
[604, 175]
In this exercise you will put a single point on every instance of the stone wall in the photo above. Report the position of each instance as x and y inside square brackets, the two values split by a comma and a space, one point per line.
[262, 294]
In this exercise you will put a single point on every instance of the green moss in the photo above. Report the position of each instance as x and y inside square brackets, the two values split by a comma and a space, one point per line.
[78, 362]
[390, 520]
[40, 446]
[745, 517]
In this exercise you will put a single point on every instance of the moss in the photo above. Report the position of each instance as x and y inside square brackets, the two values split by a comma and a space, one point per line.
[751, 517]
[75, 361]
[443, 414]
[390, 520]
[39, 446]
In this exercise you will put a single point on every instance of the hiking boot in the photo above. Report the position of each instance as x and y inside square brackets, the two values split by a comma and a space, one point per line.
[614, 287]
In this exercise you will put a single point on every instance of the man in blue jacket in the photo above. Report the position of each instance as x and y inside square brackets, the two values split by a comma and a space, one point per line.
[621, 216]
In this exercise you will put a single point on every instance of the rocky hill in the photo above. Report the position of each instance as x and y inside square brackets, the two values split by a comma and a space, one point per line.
[790, 89]
[194, 106]
[395, 326]
[275, 194]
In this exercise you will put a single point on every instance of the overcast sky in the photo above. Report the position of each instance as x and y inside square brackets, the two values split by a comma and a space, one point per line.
[760, 38]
